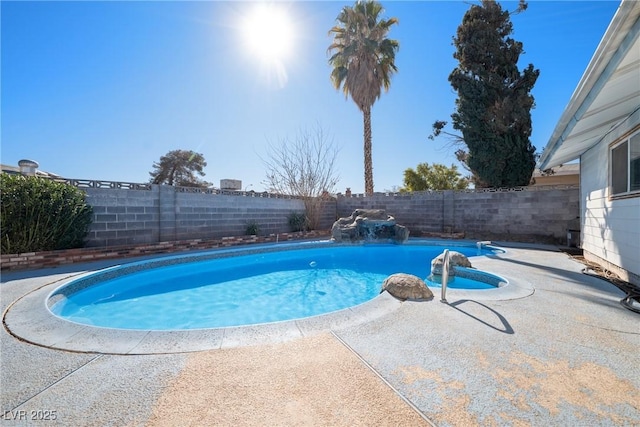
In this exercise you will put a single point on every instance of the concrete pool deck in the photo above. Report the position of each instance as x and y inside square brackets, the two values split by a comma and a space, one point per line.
[559, 351]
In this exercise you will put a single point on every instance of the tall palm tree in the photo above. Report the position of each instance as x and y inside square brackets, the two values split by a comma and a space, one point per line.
[363, 62]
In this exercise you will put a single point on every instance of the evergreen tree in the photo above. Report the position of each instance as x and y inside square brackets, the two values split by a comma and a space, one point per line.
[493, 109]
[179, 167]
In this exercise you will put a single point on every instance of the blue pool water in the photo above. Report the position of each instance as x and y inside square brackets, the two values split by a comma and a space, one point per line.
[250, 288]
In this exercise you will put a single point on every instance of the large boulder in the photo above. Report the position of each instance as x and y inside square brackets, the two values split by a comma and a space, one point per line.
[456, 259]
[406, 286]
[369, 225]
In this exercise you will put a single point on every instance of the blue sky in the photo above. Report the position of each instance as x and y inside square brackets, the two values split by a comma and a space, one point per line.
[101, 90]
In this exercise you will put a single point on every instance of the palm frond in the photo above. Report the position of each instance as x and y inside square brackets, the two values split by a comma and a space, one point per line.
[362, 57]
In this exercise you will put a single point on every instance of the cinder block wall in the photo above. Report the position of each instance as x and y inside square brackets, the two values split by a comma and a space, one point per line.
[524, 216]
[166, 213]
[328, 214]
[123, 217]
[532, 214]
[419, 211]
[206, 215]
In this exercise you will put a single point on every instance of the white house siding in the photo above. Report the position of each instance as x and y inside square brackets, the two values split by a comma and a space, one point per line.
[610, 228]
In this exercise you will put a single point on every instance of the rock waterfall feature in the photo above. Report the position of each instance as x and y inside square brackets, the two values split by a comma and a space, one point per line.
[368, 225]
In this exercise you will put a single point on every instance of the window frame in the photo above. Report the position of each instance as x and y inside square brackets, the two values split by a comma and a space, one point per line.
[616, 145]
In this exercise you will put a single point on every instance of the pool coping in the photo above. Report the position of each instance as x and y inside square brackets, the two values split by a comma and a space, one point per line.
[29, 319]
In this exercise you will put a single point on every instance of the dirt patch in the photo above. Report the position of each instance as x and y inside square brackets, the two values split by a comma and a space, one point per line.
[530, 386]
[311, 381]
[587, 387]
[454, 401]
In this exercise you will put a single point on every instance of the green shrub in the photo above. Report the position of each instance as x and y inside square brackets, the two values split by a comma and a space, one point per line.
[298, 221]
[252, 228]
[39, 214]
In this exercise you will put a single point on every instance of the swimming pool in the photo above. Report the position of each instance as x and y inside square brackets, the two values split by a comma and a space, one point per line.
[232, 288]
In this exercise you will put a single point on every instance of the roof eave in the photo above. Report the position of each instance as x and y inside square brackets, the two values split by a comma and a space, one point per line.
[611, 50]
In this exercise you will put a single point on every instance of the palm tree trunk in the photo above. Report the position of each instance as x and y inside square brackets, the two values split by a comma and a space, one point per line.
[368, 162]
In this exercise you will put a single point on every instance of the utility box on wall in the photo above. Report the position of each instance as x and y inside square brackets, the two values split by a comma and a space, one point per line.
[573, 238]
[231, 184]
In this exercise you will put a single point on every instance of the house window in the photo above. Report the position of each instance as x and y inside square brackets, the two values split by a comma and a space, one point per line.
[625, 165]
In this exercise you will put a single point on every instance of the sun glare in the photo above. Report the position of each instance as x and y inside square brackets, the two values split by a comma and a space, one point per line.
[268, 32]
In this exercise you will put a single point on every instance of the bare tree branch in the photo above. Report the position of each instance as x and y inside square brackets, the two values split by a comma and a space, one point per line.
[303, 166]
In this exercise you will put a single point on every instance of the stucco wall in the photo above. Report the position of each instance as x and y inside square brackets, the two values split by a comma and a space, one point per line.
[610, 228]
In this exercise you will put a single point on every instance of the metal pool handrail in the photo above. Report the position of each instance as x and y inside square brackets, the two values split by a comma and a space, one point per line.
[445, 276]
